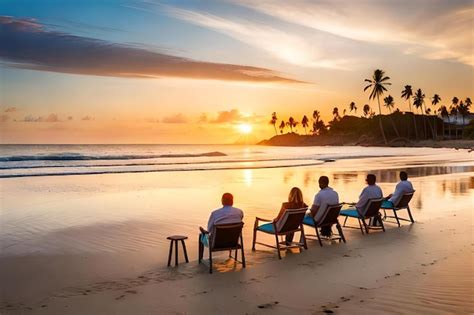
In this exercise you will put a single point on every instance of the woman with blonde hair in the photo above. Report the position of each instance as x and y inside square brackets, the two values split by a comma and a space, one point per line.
[295, 201]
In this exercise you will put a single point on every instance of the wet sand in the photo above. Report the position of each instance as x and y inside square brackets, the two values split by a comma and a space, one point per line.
[74, 246]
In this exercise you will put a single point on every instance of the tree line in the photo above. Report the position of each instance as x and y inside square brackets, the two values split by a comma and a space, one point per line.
[425, 123]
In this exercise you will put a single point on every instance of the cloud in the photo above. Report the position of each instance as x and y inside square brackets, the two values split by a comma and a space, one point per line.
[234, 116]
[10, 110]
[432, 29]
[29, 45]
[70, 118]
[87, 118]
[51, 118]
[289, 47]
[175, 119]
[4, 118]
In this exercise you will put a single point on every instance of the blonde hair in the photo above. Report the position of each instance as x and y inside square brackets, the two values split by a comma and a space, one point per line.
[295, 196]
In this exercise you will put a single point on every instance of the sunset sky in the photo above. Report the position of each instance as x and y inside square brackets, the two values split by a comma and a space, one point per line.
[143, 71]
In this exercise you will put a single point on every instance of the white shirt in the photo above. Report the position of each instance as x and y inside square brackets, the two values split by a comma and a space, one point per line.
[224, 215]
[369, 192]
[326, 196]
[402, 188]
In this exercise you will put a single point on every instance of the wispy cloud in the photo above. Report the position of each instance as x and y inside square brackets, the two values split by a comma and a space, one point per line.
[432, 29]
[51, 118]
[286, 46]
[175, 119]
[11, 110]
[28, 44]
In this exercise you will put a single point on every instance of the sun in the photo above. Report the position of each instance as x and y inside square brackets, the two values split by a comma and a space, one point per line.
[245, 128]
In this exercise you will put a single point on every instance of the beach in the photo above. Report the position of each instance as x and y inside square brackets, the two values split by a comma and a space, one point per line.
[95, 242]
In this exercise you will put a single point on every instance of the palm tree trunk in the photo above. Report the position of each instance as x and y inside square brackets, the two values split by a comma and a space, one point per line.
[414, 120]
[380, 121]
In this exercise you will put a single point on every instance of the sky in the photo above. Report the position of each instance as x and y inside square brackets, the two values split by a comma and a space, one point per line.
[145, 71]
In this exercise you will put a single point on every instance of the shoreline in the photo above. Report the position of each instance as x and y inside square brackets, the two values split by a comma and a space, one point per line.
[296, 140]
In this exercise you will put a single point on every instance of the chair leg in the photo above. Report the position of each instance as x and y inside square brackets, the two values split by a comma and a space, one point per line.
[210, 260]
[409, 214]
[254, 239]
[230, 253]
[185, 252]
[345, 220]
[360, 225]
[278, 246]
[365, 226]
[319, 237]
[396, 217]
[236, 252]
[339, 229]
[242, 249]
[201, 249]
[305, 245]
[384, 214]
[381, 221]
[170, 253]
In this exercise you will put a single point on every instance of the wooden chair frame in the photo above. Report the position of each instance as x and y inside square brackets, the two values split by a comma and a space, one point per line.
[403, 203]
[282, 245]
[328, 221]
[213, 247]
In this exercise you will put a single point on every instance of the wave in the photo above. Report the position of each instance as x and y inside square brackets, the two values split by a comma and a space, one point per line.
[80, 157]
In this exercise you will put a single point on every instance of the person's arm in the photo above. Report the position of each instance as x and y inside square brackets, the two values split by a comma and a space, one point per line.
[396, 194]
[210, 223]
[362, 200]
[316, 205]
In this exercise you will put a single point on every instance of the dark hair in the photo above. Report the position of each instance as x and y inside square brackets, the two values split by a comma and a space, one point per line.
[371, 179]
[403, 175]
[227, 199]
[323, 181]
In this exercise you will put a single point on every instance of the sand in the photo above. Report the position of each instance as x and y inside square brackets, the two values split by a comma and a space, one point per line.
[421, 268]
[96, 245]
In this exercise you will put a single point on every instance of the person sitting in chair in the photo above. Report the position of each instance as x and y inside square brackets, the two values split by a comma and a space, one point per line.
[326, 196]
[371, 191]
[403, 187]
[224, 215]
[295, 201]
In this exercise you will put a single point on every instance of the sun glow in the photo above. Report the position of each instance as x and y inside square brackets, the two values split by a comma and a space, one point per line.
[245, 128]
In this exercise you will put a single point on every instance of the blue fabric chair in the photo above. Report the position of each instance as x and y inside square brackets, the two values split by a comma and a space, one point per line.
[290, 222]
[328, 218]
[371, 212]
[403, 203]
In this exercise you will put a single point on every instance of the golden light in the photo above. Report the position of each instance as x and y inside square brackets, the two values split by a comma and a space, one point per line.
[245, 128]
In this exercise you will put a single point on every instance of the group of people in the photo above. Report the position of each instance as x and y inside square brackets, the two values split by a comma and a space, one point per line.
[325, 197]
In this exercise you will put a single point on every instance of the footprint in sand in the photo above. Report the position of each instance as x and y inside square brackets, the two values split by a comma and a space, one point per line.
[268, 305]
[120, 297]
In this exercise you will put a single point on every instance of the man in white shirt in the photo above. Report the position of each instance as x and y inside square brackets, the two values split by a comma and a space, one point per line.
[224, 215]
[326, 196]
[403, 187]
[371, 191]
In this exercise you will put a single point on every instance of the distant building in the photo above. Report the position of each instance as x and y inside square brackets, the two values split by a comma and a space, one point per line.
[458, 119]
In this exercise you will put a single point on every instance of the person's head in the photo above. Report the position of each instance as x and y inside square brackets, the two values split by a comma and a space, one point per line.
[295, 196]
[403, 175]
[323, 182]
[371, 179]
[227, 199]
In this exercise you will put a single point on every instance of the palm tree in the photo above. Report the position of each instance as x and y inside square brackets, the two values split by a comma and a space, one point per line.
[407, 93]
[352, 107]
[282, 126]
[389, 103]
[273, 121]
[453, 110]
[291, 123]
[418, 101]
[335, 113]
[378, 83]
[435, 101]
[443, 111]
[366, 110]
[316, 116]
[304, 123]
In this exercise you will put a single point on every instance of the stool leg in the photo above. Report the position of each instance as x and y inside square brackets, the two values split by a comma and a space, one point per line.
[176, 252]
[169, 255]
[185, 252]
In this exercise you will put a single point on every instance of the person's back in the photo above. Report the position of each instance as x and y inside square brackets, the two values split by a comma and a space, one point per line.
[403, 187]
[224, 215]
[325, 197]
[371, 191]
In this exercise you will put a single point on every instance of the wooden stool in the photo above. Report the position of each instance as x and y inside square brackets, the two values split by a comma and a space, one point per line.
[175, 239]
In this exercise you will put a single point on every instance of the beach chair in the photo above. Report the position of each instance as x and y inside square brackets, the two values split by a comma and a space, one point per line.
[371, 212]
[329, 218]
[290, 222]
[403, 203]
[224, 237]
